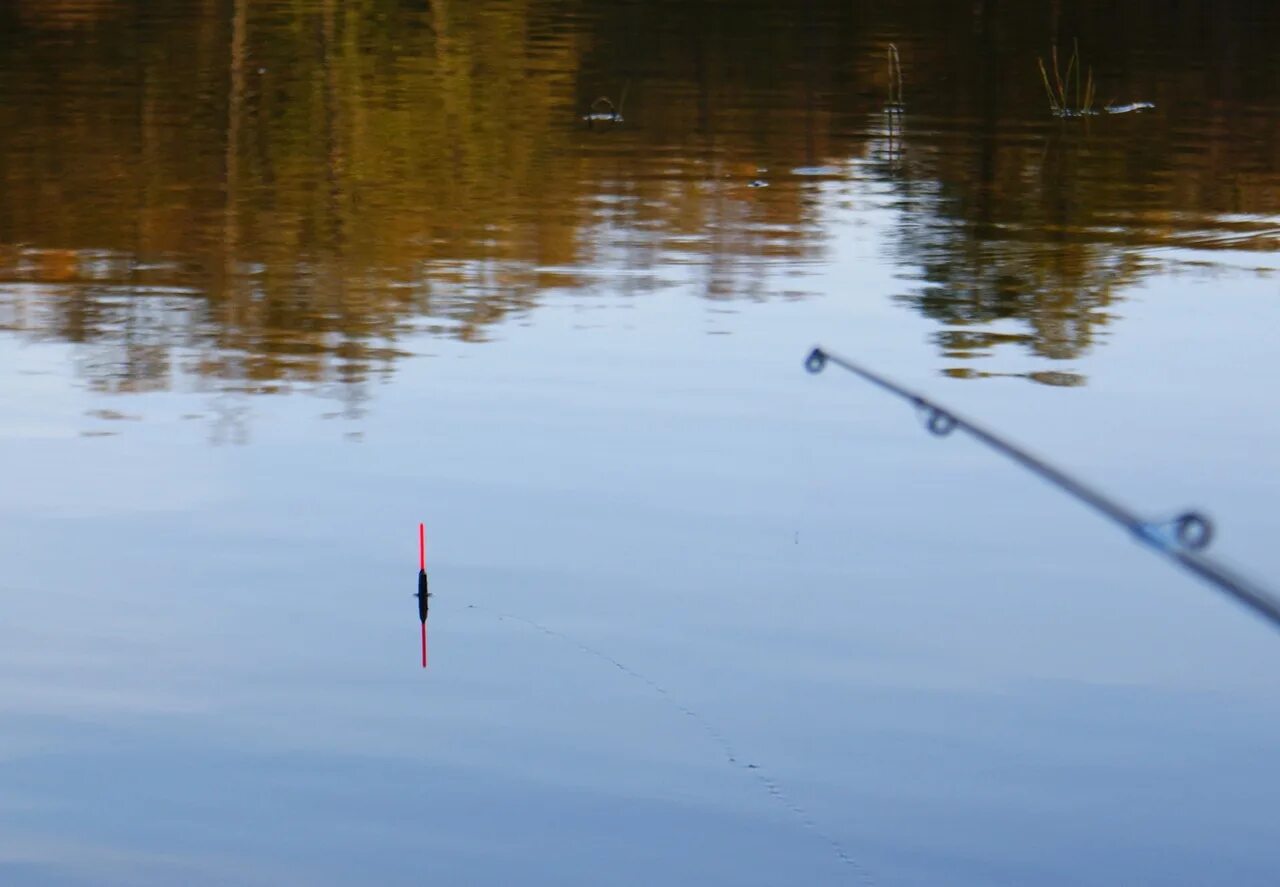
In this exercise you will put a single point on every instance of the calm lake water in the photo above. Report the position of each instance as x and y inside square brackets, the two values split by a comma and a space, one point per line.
[280, 279]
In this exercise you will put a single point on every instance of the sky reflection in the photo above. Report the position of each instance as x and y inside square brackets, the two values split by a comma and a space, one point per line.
[577, 355]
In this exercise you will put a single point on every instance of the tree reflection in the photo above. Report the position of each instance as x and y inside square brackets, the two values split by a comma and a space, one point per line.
[267, 195]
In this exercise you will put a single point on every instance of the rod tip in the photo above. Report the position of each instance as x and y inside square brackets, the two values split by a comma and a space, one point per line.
[816, 360]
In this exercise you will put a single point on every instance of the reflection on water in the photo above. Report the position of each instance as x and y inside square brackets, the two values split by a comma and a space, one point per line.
[302, 183]
[208, 671]
[262, 195]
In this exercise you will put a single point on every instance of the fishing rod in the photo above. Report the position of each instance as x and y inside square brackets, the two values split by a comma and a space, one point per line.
[1181, 538]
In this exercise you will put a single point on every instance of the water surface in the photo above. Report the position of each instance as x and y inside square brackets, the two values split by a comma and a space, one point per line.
[280, 279]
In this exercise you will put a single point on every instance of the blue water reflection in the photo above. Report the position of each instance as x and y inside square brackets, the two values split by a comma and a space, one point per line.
[952, 672]
[700, 617]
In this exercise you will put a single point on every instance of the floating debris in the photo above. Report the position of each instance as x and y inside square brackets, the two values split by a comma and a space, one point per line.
[604, 113]
[1061, 87]
[1130, 108]
[610, 118]
[758, 183]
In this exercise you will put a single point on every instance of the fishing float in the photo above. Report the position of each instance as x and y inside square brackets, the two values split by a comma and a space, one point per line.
[422, 593]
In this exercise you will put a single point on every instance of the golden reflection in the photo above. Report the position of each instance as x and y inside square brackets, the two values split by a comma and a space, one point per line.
[65, 14]
[264, 193]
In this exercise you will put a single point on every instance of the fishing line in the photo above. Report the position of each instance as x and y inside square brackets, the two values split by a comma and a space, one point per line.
[761, 777]
[1180, 538]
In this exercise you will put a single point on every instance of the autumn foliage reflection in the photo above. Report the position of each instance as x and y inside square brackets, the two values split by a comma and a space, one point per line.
[259, 194]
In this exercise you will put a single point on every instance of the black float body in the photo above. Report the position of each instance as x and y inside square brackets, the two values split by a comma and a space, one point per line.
[422, 595]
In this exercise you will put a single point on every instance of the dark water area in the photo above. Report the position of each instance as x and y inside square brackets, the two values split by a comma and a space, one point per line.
[280, 279]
